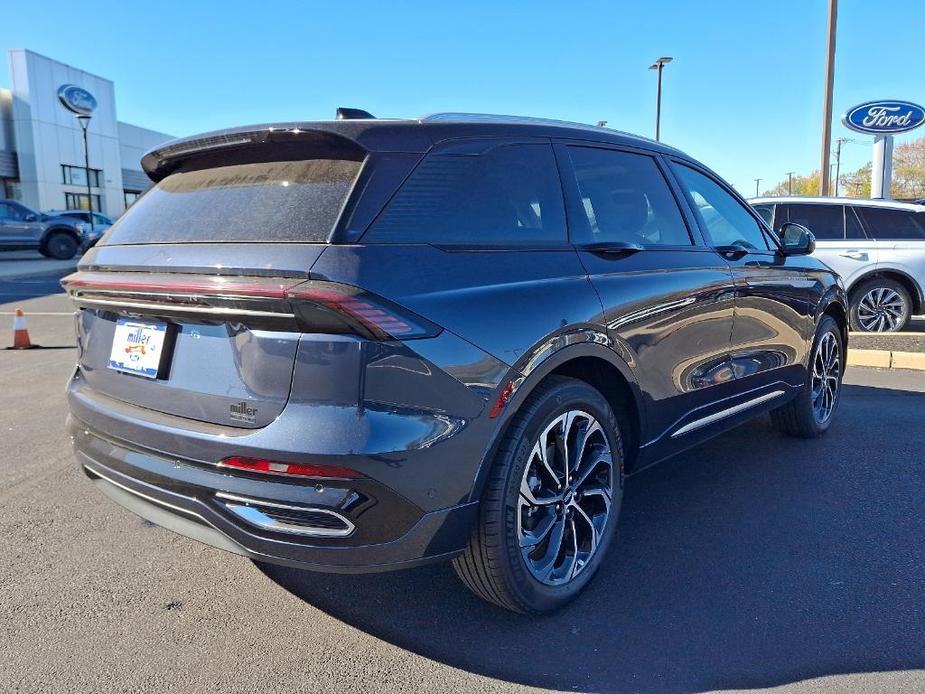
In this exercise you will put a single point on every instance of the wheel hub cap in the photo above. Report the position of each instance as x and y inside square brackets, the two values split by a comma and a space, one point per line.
[881, 310]
[566, 496]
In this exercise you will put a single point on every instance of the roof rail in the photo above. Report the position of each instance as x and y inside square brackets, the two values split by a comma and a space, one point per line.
[499, 118]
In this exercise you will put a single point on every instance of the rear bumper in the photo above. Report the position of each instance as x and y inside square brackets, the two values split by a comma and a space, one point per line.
[191, 500]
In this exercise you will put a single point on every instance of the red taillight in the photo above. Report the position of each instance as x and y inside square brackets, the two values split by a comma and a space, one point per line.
[311, 303]
[273, 467]
[376, 315]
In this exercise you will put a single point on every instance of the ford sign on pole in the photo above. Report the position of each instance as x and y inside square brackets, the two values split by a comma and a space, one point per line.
[883, 119]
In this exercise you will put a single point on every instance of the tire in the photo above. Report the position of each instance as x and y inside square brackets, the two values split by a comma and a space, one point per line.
[880, 305]
[803, 417]
[60, 245]
[493, 566]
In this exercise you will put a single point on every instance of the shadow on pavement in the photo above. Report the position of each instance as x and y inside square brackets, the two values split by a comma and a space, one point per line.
[21, 289]
[752, 561]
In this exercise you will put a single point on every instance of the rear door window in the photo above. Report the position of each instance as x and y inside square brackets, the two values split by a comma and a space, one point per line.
[725, 219]
[626, 199]
[509, 195]
[766, 212]
[884, 223]
[261, 201]
[827, 222]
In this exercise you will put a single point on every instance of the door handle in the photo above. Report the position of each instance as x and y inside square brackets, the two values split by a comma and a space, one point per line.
[854, 255]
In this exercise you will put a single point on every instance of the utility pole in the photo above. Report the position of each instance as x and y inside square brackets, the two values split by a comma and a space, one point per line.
[659, 65]
[839, 141]
[827, 101]
[790, 182]
[757, 181]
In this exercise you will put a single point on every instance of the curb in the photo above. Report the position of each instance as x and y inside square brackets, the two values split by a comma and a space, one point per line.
[886, 359]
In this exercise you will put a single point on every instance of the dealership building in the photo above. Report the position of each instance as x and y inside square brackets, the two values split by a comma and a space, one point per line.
[42, 146]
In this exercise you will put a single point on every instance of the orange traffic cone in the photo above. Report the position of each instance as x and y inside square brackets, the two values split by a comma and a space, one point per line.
[20, 332]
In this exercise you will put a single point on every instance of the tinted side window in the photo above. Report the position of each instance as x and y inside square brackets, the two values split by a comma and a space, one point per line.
[853, 228]
[508, 195]
[626, 198]
[766, 212]
[884, 223]
[13, 212]
[825, 221]
[725, 218]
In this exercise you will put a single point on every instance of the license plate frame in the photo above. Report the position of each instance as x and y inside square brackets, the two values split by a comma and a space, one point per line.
[141, 347]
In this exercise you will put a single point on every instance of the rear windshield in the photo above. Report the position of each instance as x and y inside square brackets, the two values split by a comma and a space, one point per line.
[263, 201]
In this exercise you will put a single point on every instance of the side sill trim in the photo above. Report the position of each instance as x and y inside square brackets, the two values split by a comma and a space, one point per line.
[723, 414]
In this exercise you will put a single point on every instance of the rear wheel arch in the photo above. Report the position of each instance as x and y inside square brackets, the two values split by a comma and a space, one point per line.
[598, 366]
[911, 286]
[59, 230]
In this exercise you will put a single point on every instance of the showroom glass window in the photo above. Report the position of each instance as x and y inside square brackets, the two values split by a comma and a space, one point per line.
[626, 199]
[78, 201]
[77, 176]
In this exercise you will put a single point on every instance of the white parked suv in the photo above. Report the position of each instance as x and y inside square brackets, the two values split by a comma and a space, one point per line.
[877, 246]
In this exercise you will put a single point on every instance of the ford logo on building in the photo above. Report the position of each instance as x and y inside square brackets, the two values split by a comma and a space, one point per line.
[884, 117]
[77, 99]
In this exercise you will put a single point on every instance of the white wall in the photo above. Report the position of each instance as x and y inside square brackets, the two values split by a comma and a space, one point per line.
[135, 141]
[48, 135]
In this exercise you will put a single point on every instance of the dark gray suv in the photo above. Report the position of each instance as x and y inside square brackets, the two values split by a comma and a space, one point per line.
[364, 344]
[53, 237]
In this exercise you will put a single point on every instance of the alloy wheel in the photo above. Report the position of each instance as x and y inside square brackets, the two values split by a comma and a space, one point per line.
[565, 499]
[826, 378]
[881, 310]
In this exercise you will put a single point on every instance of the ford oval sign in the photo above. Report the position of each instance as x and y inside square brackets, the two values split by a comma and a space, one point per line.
[884, 117]
[76, 99]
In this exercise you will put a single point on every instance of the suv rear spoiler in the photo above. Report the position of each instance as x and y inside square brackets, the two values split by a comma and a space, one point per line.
[355, 137]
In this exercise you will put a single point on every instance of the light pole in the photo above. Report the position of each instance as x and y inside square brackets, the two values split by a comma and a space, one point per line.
[827, 101]
[790, 182]
[84, 120]
[757, 181]
[658, 65]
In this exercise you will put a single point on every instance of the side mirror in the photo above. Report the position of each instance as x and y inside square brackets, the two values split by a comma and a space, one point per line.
[797, 239]
[31, 217]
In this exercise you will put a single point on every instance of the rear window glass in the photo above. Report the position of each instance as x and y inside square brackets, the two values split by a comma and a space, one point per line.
[508, 195]
[884, 223]
[262, 201]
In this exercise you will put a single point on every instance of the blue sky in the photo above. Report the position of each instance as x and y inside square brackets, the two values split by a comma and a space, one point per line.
[744, 93]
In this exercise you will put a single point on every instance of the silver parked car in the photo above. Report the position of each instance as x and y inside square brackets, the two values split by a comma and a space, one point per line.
[22, 228]
[877, 246]
[100, 222]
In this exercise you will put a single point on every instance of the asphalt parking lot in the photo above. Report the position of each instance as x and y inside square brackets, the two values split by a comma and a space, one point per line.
[754, 561]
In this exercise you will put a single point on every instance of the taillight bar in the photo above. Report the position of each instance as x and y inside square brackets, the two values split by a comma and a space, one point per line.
[135, 283]
[357, 310]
